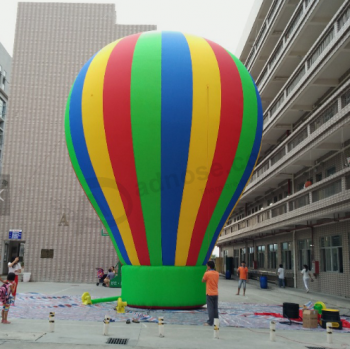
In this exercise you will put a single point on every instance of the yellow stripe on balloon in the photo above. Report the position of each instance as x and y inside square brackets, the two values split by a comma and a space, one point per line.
[204, 131]
[93, 124]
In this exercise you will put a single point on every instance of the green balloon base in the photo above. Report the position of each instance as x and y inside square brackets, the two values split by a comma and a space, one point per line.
[163, 287]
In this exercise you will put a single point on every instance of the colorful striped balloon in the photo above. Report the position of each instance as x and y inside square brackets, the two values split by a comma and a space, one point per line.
[163, 130]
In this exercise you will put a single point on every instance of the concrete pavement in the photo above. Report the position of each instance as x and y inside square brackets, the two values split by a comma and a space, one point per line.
[79, 334]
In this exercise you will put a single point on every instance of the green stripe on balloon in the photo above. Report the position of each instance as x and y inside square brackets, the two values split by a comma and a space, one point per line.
[240, 162]
[81, 178]
[145, 101]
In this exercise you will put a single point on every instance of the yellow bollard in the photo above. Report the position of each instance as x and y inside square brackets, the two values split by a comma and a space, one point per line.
[121, 306]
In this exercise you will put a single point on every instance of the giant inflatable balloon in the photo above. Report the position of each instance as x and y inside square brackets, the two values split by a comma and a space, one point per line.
[163, 130]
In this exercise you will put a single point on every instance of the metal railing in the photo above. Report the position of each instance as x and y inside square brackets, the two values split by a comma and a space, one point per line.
[315, 193]
[295, 22]
[276, 106]
[324, 43]
[299, 202]
[324, 117]
[301, 73]
[343, 18]
[295, 81]
[316, 120]
[345, 99]
[327, 191]
[274, 8]
[278, 156]
[297, 139]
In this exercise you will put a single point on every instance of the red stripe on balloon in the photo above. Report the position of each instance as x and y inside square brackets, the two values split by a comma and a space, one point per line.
[117, 119]
[226, 146]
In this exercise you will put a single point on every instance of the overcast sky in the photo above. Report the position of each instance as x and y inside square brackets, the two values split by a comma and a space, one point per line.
[222, 21]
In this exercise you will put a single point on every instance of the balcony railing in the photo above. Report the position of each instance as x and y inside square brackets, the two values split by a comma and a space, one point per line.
[299, 202]
[322, 48]
[297, 20]
[274, 9]
[315, 121]
[345, 99]
[315, 193]
[317, 53]
[297, 139]
[295, 81]
[294, 23]
[324, 117]
[343, 18]
[327, 191]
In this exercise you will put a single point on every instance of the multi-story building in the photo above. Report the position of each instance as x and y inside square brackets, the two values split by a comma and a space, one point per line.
[60, 232]
[5, 77]
[296, 208]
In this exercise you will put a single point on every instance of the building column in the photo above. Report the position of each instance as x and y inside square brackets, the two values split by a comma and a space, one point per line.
[294, 259]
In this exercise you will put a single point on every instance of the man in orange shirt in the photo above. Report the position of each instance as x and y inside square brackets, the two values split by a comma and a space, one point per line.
[242, 272]
[211, 278]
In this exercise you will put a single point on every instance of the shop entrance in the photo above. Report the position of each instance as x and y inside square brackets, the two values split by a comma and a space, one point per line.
[10, 249]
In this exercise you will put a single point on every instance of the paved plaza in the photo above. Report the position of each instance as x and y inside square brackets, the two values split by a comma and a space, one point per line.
[33, 332]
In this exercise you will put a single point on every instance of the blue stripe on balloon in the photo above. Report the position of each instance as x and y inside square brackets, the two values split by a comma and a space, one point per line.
[175, 134]
[82, 154]
[251, 163]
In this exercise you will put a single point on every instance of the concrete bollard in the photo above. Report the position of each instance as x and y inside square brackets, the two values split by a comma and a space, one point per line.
[52, 321]
[272, 331]
[216, 328]
[106, 325]
[161, 326]
[329, 332]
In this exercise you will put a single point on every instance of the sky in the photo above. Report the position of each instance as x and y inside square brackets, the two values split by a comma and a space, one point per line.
[222, 21]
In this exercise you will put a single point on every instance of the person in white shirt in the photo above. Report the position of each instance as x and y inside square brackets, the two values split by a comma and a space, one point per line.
[306, 277]
[280, 273]
[15, 267]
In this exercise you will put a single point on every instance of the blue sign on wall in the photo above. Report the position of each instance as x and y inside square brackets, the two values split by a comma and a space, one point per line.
[15, 234]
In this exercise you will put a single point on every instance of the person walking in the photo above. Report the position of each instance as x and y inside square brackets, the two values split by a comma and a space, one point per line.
[211, 278]
[280, 273]
[306, 277]
[242, 272]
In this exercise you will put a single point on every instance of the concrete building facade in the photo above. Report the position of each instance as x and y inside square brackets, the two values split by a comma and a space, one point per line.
[61, 237]
[5, 78]
[296, 208]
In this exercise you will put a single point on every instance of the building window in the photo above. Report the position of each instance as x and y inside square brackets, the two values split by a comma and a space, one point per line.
[318, 177]
[261, 256]
[304, 253]
[332, 253]
[243, 255]
[330, 171]
[287, 259]
[272, 256]
[235, 258]
[251, 257]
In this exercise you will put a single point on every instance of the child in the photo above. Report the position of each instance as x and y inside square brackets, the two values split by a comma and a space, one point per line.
[280, 273]
[8, 289]
[109, 277]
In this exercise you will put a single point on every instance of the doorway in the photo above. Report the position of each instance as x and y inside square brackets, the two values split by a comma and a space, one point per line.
[10, 249]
